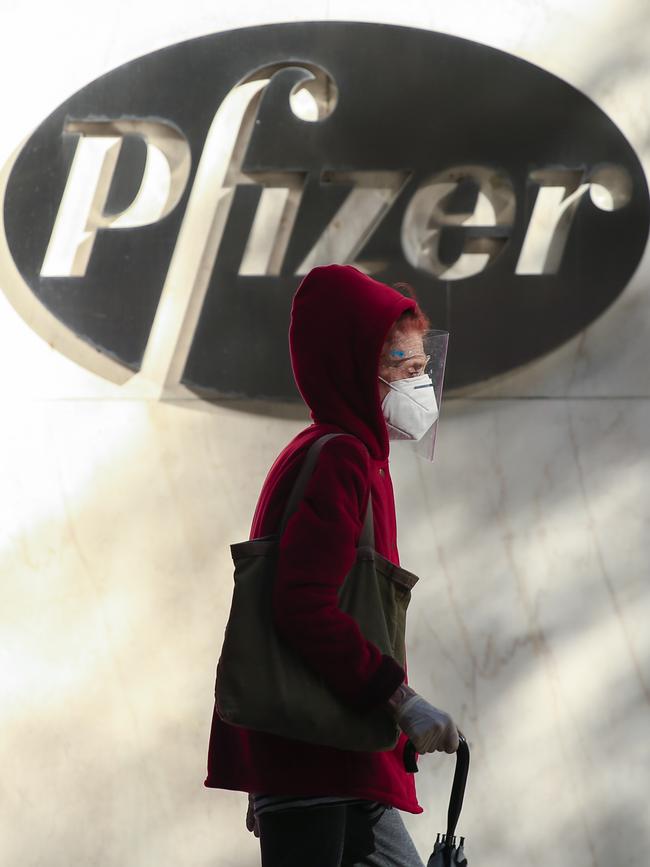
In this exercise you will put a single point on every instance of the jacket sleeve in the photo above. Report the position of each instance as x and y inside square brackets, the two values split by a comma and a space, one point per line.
[316, 552]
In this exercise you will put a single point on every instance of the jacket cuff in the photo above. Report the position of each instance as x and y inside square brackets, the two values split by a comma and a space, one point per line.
[383, 683]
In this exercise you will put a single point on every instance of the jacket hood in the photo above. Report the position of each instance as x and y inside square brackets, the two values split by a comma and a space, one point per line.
[339, 321]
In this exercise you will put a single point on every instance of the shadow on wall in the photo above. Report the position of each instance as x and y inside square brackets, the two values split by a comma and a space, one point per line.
[529, 620]
[117, 598]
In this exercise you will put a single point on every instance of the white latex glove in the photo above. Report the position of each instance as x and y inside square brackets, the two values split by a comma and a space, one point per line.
[428, 728]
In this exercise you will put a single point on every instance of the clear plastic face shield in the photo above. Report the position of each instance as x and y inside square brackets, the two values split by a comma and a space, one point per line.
[412, 369]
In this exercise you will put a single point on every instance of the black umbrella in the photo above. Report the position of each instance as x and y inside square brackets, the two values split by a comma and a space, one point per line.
[446, 851]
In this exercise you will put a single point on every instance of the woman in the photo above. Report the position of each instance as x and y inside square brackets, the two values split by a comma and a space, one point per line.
[352, 339]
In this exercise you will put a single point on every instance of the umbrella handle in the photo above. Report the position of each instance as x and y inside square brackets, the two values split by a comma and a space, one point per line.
[458, 786]
[410, 762]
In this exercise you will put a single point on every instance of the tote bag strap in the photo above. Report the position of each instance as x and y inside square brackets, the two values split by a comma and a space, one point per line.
[367, 538]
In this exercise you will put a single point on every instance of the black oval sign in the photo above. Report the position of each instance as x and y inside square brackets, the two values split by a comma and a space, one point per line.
[167, 211]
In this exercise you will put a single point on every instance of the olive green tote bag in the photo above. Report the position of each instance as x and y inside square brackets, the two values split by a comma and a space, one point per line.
[263, 684]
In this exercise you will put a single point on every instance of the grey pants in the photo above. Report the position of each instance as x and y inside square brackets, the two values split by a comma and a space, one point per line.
[394, 847]
[335, 836]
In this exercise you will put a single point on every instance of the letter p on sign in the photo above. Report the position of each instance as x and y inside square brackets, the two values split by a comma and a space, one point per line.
[82, 209]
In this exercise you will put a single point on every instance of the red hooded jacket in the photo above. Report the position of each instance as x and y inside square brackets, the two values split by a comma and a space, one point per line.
[339, 321]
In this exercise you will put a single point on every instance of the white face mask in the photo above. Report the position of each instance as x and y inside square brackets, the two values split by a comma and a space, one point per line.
[410, 407]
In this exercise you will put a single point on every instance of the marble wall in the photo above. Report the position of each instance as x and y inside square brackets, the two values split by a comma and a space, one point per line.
[530, 530]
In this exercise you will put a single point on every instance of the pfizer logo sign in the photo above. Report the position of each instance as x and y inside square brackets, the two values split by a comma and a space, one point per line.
[165, 213]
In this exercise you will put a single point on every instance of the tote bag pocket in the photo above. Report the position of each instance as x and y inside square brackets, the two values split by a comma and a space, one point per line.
[263, 684]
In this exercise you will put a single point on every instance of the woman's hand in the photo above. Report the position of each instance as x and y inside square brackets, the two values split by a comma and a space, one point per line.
[251, 821]
[428, 728]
